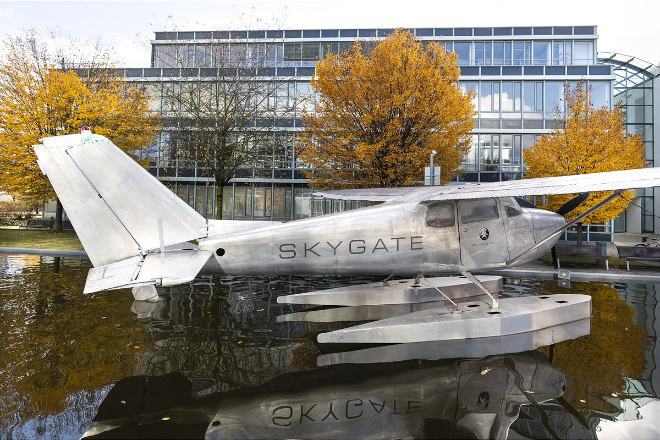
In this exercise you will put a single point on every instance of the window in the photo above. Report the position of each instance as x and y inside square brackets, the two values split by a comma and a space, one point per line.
[554, 99]
[345, 46]
[203, 56]
[440, 215]
[501, 53]
[511, 207]
[221, 55]
[521, 52]
[510, 96]
[541, 53]
[506, 149]
[485, 97]
[166, 56]
[328, 48]
[583, 52]
[490, 152]
[482, 53]
[292, 51]
[187, 55]
[600, 93]
[310, 51]
[473, 211]
[239, 54]
[489, 98]
[463, 52]
[561, 52]
[470, 159]
[271, 54]
[471, 86]
[516, 159]
[532, 97]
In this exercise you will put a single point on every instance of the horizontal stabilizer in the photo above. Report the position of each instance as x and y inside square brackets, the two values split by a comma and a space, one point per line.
[160, 269]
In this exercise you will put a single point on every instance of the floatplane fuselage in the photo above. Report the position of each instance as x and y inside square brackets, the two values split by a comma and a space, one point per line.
[390, 239]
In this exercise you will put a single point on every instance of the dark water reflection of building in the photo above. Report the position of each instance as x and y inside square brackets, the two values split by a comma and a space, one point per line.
[64, 351]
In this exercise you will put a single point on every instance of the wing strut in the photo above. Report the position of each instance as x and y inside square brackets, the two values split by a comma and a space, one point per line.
[480, 285]
[588, 212]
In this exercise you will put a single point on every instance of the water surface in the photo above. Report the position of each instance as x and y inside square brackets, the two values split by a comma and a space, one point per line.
[215, 352]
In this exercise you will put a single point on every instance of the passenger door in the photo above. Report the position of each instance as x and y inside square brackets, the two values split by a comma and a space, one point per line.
[482, 236]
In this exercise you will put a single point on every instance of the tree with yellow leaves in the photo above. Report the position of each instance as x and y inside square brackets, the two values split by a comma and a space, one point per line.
[589, 140]
[380, 115]
[597, 365]
[42, 95]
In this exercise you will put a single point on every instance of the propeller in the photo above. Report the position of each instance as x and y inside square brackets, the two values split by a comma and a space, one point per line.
[573, 203]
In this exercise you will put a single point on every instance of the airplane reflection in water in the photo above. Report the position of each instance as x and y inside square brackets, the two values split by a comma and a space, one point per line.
[411, 390]
[472, 398]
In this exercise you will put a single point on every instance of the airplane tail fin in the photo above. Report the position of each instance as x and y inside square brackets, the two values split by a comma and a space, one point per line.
[116, 207]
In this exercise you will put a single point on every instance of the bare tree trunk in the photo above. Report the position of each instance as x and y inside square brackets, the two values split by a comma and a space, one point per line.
[218, 200]
[579, 233]
[57, 226]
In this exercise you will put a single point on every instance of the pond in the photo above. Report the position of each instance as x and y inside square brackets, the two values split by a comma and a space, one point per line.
[215, 356]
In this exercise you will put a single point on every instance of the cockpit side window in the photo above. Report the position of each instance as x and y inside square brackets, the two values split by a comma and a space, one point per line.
[473, 211]
[440, 215]
[511, 207]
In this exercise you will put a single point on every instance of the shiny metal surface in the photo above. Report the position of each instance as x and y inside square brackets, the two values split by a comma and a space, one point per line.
[159, 269]
[471, 348]
[483, 243]
[357, 313]
[389, 239]
[514, 315]
[608, 181]
[395, 292]
[550, 236]
[113, 203]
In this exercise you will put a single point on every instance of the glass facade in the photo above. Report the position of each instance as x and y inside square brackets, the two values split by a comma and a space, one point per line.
[517, 74]
[633, 89]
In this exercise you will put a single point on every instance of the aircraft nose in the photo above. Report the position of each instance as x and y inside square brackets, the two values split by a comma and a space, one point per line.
[546, 222]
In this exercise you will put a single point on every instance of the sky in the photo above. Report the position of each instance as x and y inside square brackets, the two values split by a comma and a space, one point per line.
[127, 27]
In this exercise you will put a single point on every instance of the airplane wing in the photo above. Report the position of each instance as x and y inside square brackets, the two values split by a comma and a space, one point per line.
[372, 194]
[581, 183]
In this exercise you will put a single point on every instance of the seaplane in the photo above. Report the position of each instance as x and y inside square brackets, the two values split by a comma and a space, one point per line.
[138, 234]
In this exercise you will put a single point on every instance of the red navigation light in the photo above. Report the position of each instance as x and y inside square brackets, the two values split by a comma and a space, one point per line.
[86, 133]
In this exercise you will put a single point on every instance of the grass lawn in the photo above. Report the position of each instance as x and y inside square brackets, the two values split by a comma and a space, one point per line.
[39, 239]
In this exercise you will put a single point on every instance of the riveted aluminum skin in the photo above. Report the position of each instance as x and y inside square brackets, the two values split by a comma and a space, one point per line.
[459, 348]
[514, 315]
[406, 291]
[581, 183]
[392, 238]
